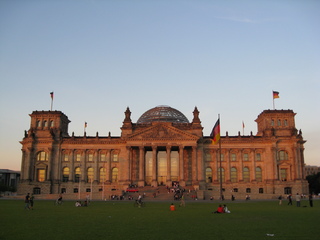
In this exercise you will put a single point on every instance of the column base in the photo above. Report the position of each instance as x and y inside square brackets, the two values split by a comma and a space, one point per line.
[141, 183]
[154, 183]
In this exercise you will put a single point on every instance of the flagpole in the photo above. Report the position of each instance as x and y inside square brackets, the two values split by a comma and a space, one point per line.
[220, 162]
[51, 94]
[273, 100]
[84, 129]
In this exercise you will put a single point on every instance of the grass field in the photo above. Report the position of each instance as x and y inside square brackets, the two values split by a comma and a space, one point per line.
[120, 220]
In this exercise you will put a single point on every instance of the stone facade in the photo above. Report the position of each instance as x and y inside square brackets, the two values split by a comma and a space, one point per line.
[163, 148]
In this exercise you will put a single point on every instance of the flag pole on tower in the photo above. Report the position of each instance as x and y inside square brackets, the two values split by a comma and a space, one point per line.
[85, 126]
[51, 94]
[275, 95]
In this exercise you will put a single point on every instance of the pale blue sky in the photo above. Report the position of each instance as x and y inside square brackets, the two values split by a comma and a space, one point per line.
[225, 57]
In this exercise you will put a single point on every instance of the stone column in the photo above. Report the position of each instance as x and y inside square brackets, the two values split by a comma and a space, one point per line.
[168, 165]
[96, 159]
[129, 169]
[194, 165]
[276, 169]
[141, 182]
[181, 165]
[108, 167]
[154, 166]
[217, 160]
[252, 164]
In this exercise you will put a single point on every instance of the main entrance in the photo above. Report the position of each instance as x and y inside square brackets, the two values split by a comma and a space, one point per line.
[167, 168]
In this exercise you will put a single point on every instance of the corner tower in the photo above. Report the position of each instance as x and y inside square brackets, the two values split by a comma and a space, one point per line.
[276, 123]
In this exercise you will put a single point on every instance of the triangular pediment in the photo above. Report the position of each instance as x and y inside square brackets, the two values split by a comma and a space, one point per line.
[162, 132]
[41, 165]
[284, 164]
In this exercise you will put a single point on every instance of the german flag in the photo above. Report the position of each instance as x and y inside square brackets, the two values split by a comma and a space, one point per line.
[215, 134]
[275, 94]
[51, 94]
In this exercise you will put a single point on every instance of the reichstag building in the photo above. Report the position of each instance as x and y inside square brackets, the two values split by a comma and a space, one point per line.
[161, 148]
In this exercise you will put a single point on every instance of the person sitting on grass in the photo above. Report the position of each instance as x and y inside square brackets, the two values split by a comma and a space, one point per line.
[172, 207]
[219, 210]
[225, 209]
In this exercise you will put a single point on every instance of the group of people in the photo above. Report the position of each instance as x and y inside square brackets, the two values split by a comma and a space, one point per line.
[80, 204]
[222, 209]
[29, 200]
[298, 198]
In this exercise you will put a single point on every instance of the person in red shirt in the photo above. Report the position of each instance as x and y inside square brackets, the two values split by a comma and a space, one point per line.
[172, 207]
[219, 210]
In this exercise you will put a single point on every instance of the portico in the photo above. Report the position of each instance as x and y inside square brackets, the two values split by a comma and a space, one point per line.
[156, 165]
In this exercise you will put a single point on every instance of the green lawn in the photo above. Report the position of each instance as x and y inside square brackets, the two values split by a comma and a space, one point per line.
[120, 220]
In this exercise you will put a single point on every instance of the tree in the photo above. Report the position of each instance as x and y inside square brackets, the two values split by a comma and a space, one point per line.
[314, 183]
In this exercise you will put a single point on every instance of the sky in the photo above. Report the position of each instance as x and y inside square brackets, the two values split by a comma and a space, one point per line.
[100, 57]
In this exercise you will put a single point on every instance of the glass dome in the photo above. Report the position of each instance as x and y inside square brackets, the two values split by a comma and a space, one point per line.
[163, 114]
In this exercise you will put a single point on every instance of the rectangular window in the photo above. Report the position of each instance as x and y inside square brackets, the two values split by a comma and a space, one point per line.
[233, 157]
[245, 157]
[283, 174]
[41, 175]
[258, 157]
[77, 177]
[208, 157]
[103, 157]
[279, 122]
[78, 157]
[90, 157]
[260, 190]
[66, 157]
[115, 158]
[65, 178]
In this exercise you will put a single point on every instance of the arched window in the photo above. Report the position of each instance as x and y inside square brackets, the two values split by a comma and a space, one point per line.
[258, 174]
[208, 175]
[115, 173]
[42, 156]
[279, 122]
[90, 174]
[45, 123]
[38, 123]
[234, 175]
[65, 174]
[102, 175]
[283, 155]
[221, 171]
[77, 174]
[246, 174]
[51, 123]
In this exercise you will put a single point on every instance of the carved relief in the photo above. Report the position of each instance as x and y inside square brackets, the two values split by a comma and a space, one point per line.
[162, 132]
